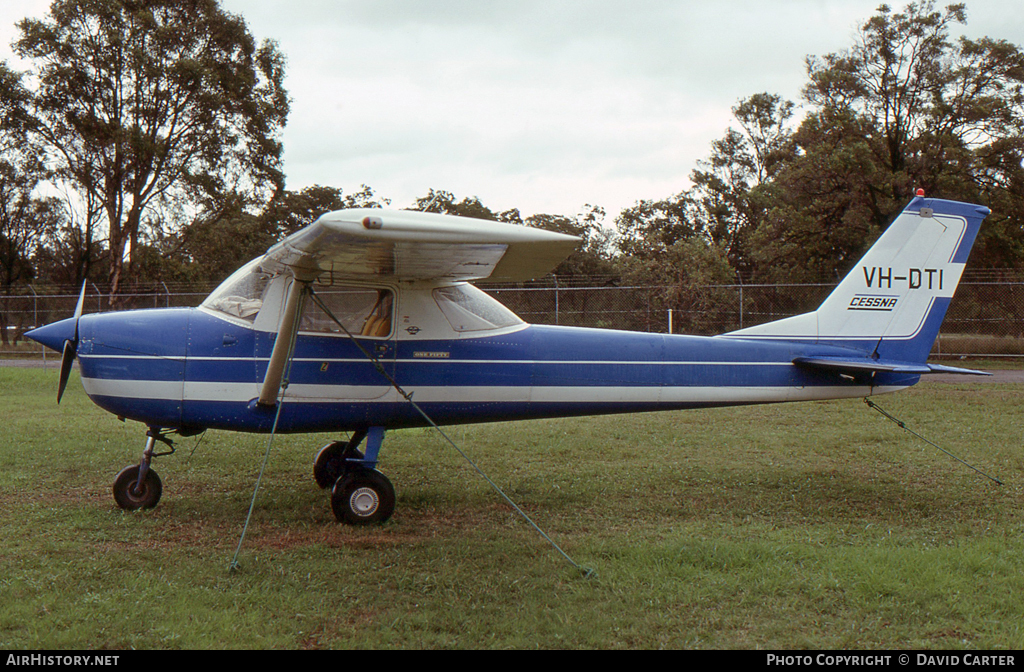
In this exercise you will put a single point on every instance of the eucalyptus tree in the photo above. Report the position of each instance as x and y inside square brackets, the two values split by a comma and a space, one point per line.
[731, 191]
[152, 109]
[444, 202]
[905, 107]
[25, 217]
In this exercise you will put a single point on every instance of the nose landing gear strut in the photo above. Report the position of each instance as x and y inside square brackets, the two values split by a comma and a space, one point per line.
[137, 486]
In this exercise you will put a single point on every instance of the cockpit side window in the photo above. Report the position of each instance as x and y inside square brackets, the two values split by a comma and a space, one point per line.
[363, 311]
[241, 295]
[469, 309]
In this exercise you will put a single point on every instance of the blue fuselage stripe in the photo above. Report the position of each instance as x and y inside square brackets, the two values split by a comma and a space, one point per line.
[209, 375]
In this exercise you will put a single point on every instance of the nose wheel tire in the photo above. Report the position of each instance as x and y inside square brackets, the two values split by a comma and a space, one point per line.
[130, 498]
[363, 497]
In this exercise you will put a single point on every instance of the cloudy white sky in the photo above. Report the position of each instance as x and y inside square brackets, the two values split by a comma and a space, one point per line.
[544, 105]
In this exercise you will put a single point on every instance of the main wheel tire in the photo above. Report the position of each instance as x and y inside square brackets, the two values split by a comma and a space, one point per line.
[124, 489]
[332, 463]
[363, 497]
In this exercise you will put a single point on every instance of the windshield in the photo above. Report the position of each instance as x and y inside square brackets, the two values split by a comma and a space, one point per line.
[468, 309]
[241, 295]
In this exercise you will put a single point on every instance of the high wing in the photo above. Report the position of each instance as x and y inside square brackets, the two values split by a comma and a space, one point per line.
[373, 243]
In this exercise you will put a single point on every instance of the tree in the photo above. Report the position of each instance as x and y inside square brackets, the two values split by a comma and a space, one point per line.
[822, 209]
[146, 106]
[649, 228]
[664, 243]
[691, 273]
[593, 258]
[730, 194]
[904, 108]
[14, 117]
[290, 211]
[218, 241]
[24, 221]
[24, 218]
[443, 202]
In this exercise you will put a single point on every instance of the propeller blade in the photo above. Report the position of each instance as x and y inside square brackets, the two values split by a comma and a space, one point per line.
[66, 359]
[78, 309]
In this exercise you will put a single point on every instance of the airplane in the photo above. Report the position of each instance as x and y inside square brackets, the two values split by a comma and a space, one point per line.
[366, 321]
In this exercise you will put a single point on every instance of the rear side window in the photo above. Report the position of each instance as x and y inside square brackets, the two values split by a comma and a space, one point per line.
[468, 309]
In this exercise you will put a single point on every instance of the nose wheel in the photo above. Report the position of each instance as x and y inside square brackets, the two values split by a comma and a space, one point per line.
[130, 495]
[137, 486]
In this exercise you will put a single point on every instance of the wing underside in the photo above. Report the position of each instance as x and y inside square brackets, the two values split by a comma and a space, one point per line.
[370, 243]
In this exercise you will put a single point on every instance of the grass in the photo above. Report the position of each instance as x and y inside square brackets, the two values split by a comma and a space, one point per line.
[816, 525]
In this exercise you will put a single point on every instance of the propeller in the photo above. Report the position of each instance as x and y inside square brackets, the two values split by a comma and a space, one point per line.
[70, 349]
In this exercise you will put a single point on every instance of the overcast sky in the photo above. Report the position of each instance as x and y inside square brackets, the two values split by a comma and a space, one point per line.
[544, 105]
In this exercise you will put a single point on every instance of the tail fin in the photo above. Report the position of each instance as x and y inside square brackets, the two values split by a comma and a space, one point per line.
[890, 306]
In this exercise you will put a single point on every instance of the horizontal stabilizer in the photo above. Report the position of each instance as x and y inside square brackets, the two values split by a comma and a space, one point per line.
[938, 368]
[865, 364]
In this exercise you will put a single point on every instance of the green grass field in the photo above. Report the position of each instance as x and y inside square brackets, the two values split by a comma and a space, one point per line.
[815, 525]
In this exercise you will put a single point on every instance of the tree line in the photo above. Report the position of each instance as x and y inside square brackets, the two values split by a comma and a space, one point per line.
[143, 145]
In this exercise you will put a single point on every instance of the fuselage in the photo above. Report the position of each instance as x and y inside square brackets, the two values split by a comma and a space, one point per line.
[193, 369]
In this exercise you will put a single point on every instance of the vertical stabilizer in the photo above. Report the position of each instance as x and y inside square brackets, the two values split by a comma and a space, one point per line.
[893, 301]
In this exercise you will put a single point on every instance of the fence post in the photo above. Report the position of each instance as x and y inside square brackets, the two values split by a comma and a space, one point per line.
[556, 296]
[35, 318]
[167, 292]
[740, 278]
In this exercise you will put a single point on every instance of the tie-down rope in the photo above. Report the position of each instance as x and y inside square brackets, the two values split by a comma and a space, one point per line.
[233, 566]
[902, 425]
[587, 571]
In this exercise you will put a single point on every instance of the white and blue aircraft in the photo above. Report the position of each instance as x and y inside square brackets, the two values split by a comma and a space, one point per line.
[341, 325]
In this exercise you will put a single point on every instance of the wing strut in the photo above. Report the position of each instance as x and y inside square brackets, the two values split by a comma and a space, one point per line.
[275, 382]
[271, 390]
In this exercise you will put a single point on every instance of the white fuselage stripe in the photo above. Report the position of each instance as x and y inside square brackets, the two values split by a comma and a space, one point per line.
[297, 393]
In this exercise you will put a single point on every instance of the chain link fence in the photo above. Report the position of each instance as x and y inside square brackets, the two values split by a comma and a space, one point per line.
[985, 318]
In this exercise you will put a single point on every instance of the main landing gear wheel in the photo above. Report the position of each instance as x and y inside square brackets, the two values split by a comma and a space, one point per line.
[132, 498]
[363, 497]
[332, 462]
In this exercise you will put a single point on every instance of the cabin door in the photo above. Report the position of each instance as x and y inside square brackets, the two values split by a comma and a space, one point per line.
[335, 362]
